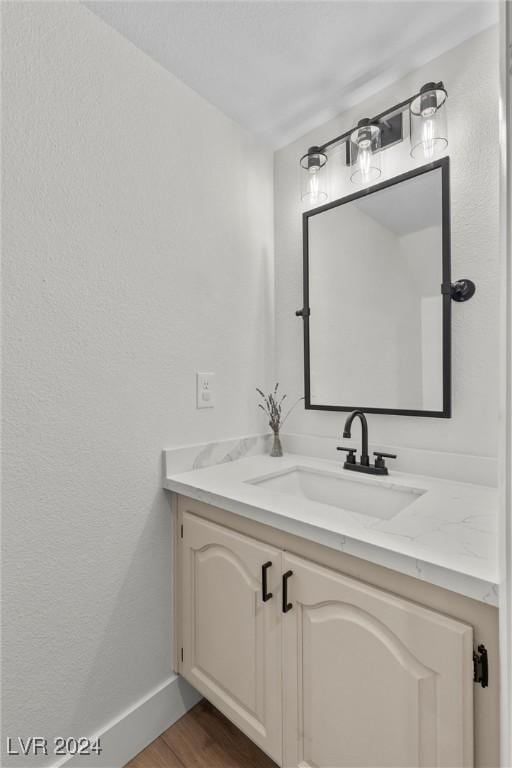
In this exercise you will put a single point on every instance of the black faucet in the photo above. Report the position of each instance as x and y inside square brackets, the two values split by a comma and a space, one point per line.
[365, 459]
[379, 468]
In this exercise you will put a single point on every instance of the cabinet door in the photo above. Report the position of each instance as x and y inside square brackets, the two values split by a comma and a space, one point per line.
[231, 637]
[371, 679]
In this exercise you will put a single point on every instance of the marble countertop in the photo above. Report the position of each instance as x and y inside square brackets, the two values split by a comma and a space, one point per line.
[447, 536]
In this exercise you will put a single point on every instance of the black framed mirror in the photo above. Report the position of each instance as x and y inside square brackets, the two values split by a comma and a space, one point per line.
[377, 305]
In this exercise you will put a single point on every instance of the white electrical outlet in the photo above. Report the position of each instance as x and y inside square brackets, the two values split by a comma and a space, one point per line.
[205, 390]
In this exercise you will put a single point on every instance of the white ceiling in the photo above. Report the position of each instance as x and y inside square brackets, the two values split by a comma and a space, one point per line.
[281, 67]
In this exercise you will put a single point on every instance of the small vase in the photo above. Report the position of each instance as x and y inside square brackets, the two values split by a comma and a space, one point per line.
[277, 448]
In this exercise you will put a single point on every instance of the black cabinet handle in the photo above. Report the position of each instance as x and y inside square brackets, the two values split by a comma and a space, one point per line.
[286, 605]
[265, 595]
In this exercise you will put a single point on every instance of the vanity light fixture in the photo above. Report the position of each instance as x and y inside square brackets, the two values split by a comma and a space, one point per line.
[364, 148]
[313, 190]
[429, 130]
[365, 142]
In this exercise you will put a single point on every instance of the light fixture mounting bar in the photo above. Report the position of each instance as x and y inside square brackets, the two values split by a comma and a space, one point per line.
[388, 113]
[391, 132]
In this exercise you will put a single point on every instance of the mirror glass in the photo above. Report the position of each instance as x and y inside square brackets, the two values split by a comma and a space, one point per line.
[378, 330]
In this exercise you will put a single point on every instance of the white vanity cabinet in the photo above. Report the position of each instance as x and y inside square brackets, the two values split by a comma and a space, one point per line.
[329, 671]
[231, 637]
[370, 679]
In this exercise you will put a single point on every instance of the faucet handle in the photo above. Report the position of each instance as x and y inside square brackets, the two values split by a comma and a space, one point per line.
[379, 461]
[351, 458]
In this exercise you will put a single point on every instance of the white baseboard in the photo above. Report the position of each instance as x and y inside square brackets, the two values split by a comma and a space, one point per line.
[125, 736]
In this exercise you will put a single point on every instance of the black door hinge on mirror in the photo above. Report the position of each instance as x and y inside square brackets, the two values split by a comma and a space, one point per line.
[481, 666]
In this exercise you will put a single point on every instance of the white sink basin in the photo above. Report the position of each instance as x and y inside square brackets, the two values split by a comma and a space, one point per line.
[376, 499]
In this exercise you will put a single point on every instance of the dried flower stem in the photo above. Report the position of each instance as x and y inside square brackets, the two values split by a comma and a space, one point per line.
[272, 406]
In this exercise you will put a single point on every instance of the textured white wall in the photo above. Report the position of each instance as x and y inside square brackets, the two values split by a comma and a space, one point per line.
[138, 249]
[470, 73]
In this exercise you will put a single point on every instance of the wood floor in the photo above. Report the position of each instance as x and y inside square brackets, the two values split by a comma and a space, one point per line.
[203, 738]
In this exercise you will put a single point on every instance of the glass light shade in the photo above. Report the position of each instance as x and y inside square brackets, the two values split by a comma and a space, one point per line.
[313, 183]
[364, 153]
[429, 125]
